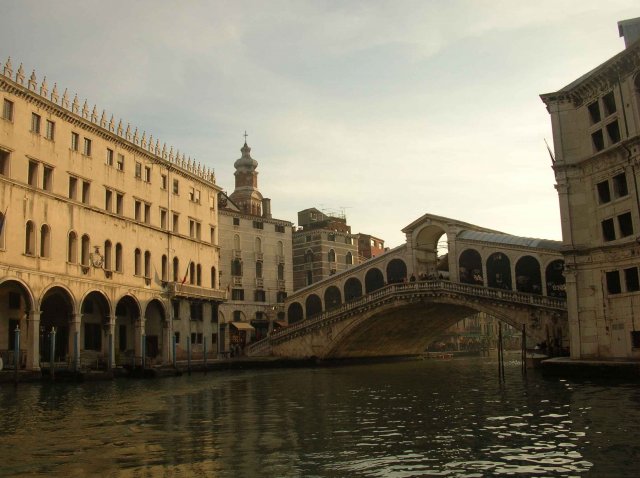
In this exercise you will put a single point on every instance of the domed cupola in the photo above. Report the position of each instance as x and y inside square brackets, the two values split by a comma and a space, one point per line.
[246, 161]
[246, 194]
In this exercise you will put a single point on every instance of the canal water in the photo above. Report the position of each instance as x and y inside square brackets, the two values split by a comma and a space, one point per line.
[405, 419]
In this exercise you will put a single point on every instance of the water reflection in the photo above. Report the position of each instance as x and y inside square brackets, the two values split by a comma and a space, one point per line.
[426, 418]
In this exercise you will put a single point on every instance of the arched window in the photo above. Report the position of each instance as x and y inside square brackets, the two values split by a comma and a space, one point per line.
[107, 255]
[308, 256]
[332, 255]
[236, 242]
[147, 264]
[137, 258]
[349, 258]
[259, 269]
[176, 267]
[236, 267]
[45, 241]
[165, 268]
[192, 273]
[30, 239]
[119, 267]
[280, 249]
[3, 226]
[258, 245]
[213, 277]
[72, 248]
[84, 250]
[280, 271]
[199, 275]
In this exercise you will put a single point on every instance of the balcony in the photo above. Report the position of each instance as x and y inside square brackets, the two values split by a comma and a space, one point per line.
[177, 289]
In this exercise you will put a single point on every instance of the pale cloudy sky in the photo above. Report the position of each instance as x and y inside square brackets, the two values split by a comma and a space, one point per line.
[388, 109]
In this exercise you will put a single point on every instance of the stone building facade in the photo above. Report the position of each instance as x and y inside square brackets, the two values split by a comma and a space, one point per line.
[255, 260]
[106, 236]
[322, 246]
[596, 136]
[369, 246]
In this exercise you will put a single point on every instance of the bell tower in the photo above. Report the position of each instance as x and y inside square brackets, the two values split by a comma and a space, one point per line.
[246, 195]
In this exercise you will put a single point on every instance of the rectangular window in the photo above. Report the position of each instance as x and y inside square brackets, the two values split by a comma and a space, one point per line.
[163, 181]
[86, 150]
[260, 296]
[120, 162]
[197, 196]
[175, 223]
[604, 194]
[119, 203]
[609, 103]
[613, 130]
[594, 112]
[51, 130]
[236, 221]
[598, 140]
[176, 186]
[613, 282]
[626, 224]
[237, 294]
[85, 192]
[7, 110]
[212, 231]
[192, 194]
[279, 228]
[175, 304]
[196, 311]
[258, 225]
[147, 174]
[108, 200]
[631, 279]
[35, 123]
[608, 230]
[163, 218]
[47, 178]
[75, 141]
[4, 163]
[635, 339]
[33, 174]
[620, 188]
[73, 188]
[137, 210]
[147, 213]
[138, 170]
[109, 157]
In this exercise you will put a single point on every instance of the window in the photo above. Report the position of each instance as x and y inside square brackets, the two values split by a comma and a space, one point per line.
[594, 112]
[176, 268]
[609, 103]
[598, 140]
[331, 237]
[138, 170]
[147, 174]
[626, 225]
[198, 275]
[4, 163]
[120, 162]
[7, 110]
[92, 337]
[137, 262]
[107, 255]
[259, 269]
[608, 230]
[147, 213]
[213, 277]
[163, 218]
[192, 194]
[237, 316]
[281, 296]
[175, 305]
[72, 248]
[237, 294]
[51, 130]
[119, 203]
[308, 256]
[108, 160]
[196, 313]
[332, 256]
[73, 188]
[86, 150]
[35, 123]
[620, 185]
[613, 130]
[635, 339]
[84, 250]
[45, 241]
[349, 259]
[108, 200]
[147, 264]
[613, 282]
[119, 267]
[257, 246]
[175, 223]
[236, 267]
[137, 210]
[47, 178]
[260, 296]
[165, 268]
[176, 186]
[258, 225]
[33, 174]
[279, 228]
[75, 141]
[30, 239]
[631, 279]
[280, 271]
[163, 181]
[85, 192]
[236, 221]
[212, 232]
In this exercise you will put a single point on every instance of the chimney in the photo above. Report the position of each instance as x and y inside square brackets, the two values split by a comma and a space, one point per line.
[630, 30]
[266, 208]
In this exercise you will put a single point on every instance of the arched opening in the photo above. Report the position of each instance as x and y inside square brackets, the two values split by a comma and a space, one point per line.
[236, 267]
[431, 249]
[499, 271]
[259, 270]
[528, 276]
[470, 267]
[331, 257]
[313, 306]
[332, 298]
[15, 304]
[147, 264]
[30, 239]
[396, 271]
[72, 248]
[107, 255]
[94, 328]
[127, 313]
[555, 279]
[165, 268]
[192, 273]
[373, 280]
[213, 277]
[119, 265]
[295, 313]
[84, 250]
[45, 241]
[199, 275]
[349, 259]
[352, 289]
[56, 310]
[176, 268]
[2, 229]
[137, 262]
[153, 327]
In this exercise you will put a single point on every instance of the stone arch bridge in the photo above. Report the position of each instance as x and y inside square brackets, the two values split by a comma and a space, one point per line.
[397, 303]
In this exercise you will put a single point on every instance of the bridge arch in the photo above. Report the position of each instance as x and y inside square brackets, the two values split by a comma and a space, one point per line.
[352, 289]
[373, 280]
[555, 280]
[295, 313]
[528, 275]
[470, 267]
[313, 306]
[332, 298]
[396, 271]
[499, 271]
[426, 244]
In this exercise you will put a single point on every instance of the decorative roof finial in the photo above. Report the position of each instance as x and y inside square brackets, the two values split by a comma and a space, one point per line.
[44, 88]
[54, 93]
[75, 105]
[32, 81]
[143, 141]
[135, 136]
[94, 114]
[103, 119]
[20, 75]
[119, 131]
[8, 68]
[85, 109]
[245, 136]
[65, 99]
[127, 133]
[111, 124]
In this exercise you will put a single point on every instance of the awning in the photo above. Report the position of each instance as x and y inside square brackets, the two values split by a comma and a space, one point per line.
[242, 326]
[280, 323]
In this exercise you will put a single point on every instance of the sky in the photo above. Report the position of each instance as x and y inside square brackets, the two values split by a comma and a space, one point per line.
[382, 110]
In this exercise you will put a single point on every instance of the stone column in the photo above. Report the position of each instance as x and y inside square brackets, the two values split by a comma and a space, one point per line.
[109, 348]
[137, 345]
[485, 278]
[32, 340]
[454, 270]
[75, 323]
[512, 266]
[575, 339]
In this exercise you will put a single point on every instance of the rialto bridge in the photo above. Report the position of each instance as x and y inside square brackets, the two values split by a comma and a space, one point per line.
[396, 303]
